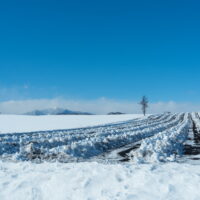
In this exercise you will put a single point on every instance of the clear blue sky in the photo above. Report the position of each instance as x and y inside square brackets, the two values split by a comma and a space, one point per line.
[107, 48]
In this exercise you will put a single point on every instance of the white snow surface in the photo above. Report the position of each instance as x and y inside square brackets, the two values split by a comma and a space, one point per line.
[25, 123]
[163, 145]
[95, 181]
[90, 180]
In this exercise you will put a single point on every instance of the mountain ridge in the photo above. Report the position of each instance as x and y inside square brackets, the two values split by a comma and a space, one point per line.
[56, 111]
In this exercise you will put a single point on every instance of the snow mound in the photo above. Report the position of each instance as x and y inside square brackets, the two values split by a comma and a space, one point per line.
[164, 146]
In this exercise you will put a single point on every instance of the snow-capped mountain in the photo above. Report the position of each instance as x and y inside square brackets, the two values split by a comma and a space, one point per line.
[56, 111]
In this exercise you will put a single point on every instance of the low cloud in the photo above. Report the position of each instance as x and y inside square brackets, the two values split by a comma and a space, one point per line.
[98, 106]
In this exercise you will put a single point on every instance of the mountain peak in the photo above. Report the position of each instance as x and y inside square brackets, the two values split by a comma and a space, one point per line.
[56, 111]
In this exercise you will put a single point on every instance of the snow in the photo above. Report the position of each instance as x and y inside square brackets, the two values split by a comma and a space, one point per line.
[78, 175]
[25, 123]
[165, 145]
[95, 181]
[82, 144]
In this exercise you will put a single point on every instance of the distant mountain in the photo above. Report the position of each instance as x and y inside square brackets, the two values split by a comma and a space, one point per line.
[116, 113]
[56, 111]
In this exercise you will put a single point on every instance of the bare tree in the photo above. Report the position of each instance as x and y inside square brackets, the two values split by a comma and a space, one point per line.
[144, 103]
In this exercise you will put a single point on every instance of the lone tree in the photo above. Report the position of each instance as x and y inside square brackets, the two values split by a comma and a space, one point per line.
[144, 103]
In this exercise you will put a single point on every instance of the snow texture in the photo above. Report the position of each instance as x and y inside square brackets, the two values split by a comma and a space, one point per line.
[62, 164]
[165, 145]
[95, 181]
[82, 144]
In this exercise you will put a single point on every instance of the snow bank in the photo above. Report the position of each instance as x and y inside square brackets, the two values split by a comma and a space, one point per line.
[196, 119]
[165, 145]
[24, 123]
[70, 145]
[93, 181]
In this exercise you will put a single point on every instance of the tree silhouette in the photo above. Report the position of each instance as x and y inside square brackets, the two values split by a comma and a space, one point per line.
[144, 103]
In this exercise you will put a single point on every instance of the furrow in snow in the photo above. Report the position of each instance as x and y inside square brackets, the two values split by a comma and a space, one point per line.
[164, 146]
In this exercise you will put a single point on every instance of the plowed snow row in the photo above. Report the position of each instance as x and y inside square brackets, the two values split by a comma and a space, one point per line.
[165, 145]
[162, 136]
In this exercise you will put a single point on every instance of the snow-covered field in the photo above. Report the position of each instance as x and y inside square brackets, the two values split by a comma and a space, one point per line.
[157, 157]
[26, 123]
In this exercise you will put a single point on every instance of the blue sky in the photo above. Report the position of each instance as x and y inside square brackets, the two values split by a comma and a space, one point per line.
[92, 49]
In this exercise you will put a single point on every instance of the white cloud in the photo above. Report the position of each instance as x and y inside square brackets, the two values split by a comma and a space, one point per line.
[98, 106]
